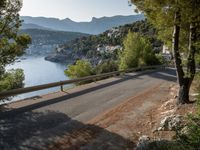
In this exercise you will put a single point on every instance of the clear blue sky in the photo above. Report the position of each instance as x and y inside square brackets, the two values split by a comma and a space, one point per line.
[77, 10]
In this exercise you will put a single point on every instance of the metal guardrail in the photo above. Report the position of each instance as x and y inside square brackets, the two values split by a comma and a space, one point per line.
[61, 83]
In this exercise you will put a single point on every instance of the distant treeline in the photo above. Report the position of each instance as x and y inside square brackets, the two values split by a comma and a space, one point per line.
[49, 37]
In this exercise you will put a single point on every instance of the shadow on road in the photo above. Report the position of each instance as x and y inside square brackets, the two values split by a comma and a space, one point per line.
[68, 96]
[31, 131]
[168, 75]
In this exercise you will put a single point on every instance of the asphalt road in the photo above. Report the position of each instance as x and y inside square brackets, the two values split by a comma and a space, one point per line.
[33, 123]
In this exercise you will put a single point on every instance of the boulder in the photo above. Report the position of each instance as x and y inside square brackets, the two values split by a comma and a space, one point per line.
[171, 123]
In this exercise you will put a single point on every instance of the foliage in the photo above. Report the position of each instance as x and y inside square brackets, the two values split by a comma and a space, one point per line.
[197, 58]
[137, 52]
[192, 137]
[189, 134]
[82, 68]
[87, 46]
[165, 145]
[49, 37]
[160, 59]
[11, 80]
[161, 15]
[106, 66]
[11, 43]
[177, 21]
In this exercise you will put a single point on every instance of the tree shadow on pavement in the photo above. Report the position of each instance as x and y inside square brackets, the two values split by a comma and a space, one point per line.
[54, 130]
[71, 95]
[167, 75]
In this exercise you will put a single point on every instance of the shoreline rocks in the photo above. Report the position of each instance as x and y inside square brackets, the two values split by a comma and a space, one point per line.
[58, 58]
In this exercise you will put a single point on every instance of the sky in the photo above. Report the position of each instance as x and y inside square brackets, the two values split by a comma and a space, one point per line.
[77, 10]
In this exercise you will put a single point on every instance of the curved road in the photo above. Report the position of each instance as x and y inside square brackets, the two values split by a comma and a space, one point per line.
[33, 123]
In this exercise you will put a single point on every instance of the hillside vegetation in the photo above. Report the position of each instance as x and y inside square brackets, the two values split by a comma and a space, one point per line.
[51, 36]
[44, 41]
[98, 48]
[117, 49]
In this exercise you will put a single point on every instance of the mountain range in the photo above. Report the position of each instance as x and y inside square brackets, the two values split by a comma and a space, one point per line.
[95, 26]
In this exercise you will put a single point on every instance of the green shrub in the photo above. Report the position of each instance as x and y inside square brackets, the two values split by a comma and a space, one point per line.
[82, 68]
[11, 80]
[106, 66]
[137, 52]
[190, 134]
[160, 59]
[191, 137]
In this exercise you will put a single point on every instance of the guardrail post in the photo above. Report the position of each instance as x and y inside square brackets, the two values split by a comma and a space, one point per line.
[61, 88]
[164, 67]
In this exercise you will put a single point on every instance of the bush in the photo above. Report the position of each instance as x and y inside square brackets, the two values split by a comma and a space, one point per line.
[82, 68]
[191, 137]
[106, 66]
[137, 52]
[190, 134]
[160, 59]
[11, 80]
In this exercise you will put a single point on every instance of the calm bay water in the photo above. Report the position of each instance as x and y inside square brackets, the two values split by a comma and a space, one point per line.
[38, 71]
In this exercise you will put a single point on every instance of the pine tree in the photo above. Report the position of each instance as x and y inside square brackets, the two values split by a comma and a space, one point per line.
[178, 24]
[11, 43]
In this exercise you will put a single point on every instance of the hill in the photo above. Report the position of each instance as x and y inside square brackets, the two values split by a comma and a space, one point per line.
[104, 46]
[44, 41]
[95, 26]
[32, 26]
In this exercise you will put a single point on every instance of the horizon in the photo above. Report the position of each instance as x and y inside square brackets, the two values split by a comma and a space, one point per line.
[79, 21]
[63, 9]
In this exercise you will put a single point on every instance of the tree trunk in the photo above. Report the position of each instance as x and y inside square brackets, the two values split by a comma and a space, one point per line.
[191, 68]
[183, 94]
[184, 80]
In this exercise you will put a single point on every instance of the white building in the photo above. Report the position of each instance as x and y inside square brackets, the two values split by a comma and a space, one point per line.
[114, 32]
[108, 48]
[166, 53]
[165, 50]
